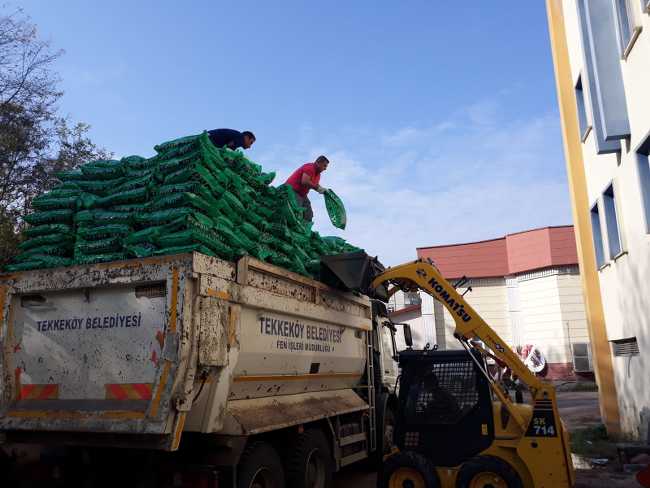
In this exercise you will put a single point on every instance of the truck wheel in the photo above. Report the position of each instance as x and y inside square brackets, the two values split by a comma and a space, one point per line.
[310, 461]
[408, 469]
[260, 467]
[487, 472]
[385, 431]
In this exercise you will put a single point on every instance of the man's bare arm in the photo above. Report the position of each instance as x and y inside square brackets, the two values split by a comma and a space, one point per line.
[306, 181]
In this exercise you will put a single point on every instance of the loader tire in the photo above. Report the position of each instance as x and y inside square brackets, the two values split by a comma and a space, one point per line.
[310, 463]
[408, 469]
[260, 466]
[487, 472]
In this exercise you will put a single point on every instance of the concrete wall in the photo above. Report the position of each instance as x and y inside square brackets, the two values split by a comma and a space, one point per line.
[624, 283]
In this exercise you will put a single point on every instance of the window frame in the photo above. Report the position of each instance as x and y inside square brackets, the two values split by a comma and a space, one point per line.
[584, 120]
[630, 23]
[643, 175]
[597, 235]
[642, 153]
[612, 225]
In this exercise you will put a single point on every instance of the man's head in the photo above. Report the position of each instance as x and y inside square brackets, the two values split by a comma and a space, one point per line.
[321, 163]
[249, 139]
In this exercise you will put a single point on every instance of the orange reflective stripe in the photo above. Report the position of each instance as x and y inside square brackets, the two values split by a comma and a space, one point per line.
[38, 392]
[128, 391]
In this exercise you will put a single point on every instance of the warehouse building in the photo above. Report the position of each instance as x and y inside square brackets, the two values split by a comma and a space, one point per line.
[525, 285]
[601, 54]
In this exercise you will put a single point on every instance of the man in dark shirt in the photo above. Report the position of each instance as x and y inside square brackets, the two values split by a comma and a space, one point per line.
[231, 138]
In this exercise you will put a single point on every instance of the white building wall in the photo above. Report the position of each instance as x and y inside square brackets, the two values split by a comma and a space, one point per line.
[624, 283]
[550, 314]
[544, 325]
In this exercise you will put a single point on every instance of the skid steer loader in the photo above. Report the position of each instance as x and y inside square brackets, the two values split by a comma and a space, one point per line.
[456, 426]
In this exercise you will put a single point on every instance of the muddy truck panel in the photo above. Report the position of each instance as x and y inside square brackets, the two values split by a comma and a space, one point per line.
[160, 346]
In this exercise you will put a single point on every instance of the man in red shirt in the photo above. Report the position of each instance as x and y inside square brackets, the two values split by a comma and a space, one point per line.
[306, 178]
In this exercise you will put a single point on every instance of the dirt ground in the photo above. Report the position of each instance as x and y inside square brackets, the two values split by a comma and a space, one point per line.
[578, 409]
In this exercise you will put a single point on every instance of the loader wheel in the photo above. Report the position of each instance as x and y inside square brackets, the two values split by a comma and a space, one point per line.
[408, 469]
[260, 467]
[487, 472]
[310, 461]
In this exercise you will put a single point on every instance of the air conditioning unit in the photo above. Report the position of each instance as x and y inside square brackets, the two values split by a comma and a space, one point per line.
[582, 357]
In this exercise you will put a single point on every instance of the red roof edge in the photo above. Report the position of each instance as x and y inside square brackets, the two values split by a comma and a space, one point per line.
[495, 238]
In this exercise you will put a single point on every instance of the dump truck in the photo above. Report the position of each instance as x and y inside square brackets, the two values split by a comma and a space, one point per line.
[189, 370]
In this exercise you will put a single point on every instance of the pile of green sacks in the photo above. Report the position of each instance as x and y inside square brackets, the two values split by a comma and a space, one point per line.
[190, 196]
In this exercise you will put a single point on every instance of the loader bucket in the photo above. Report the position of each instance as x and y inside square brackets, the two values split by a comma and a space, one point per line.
[353, 271]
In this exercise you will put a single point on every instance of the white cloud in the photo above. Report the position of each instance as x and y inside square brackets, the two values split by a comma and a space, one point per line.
[468, 178]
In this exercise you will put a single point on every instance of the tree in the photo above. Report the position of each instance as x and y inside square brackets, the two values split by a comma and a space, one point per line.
[35, 142]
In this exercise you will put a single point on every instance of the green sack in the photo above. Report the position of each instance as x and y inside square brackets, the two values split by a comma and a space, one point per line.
[50, 217]
[103, 170]
[193, 236]
[184, 250]
[50, 250]
[102, 217]
[134, 183]
[137, 163]
[335, 209]
[100, 246]
[100, 187]
[45, 229]
[129, 208]
[93, 233]
[164, 216]
[137, 195]
[87, 201]
[143, 250]
[60, 239]
[49, 202]
[250, 230]
[172, 165]
[100, 258]
[187, 141]
[39, 261]
[69, 176]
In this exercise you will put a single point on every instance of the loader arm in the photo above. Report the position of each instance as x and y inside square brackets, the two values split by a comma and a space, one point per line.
[470, 326]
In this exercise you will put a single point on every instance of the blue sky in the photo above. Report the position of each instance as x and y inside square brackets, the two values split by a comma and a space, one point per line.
[439, 118]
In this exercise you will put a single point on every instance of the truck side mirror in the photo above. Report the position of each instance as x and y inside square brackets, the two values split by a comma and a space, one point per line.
[408, 338]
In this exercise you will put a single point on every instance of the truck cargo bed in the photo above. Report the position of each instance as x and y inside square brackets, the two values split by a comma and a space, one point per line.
[159, 346]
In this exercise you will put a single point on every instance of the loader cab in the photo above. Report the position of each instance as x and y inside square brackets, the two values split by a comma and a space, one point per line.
[384, 345]
[444, 399]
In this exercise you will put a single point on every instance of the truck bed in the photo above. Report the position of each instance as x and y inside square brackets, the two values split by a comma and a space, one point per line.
[158, 346]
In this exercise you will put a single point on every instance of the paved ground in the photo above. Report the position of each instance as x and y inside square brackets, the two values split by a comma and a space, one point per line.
[578, 409]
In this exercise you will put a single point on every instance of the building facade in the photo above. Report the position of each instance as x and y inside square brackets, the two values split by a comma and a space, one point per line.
[601, 53]
[526, 286]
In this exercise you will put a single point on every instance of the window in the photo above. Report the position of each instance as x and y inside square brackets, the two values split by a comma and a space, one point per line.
[602, 77]
[643, 165]
[626, 25]
[583, 121]
[644, 182]
[581, 357]
[597, 235]
[412, 298]
[611, 222]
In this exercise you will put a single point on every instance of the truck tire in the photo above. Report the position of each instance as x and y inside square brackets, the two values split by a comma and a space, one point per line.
[487, 471]
[260, 467]
[385, 429]
[310, 461]
[408, 469]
